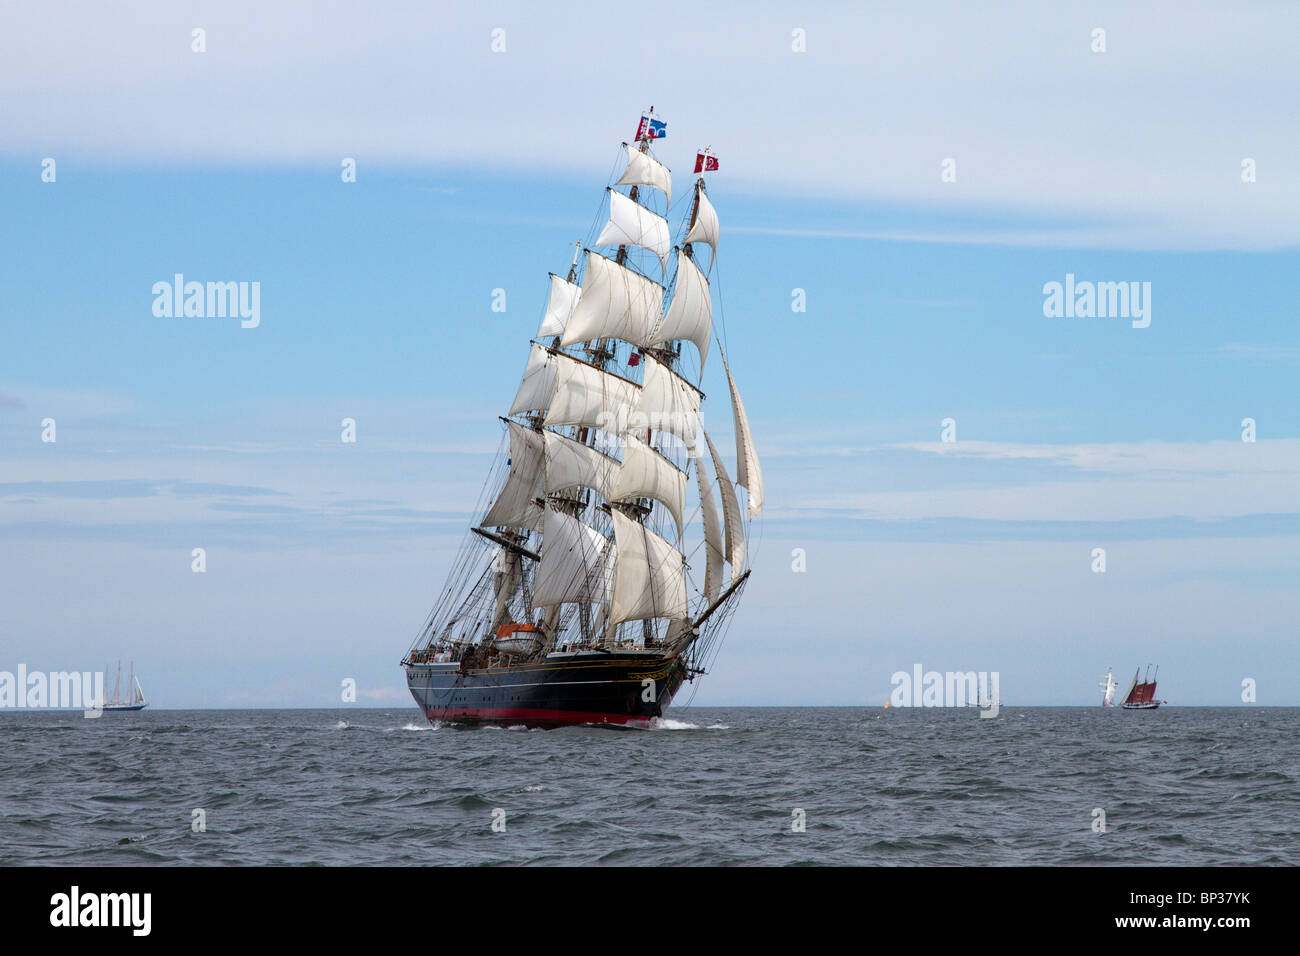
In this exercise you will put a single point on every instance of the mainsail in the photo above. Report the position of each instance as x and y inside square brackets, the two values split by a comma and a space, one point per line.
[587, 528]
[651, 582]
[574, 563]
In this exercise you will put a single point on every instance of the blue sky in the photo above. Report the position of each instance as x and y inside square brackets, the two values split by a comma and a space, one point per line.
[924, 302]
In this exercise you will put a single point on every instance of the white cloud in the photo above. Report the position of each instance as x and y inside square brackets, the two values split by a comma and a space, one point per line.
[1278, 457]
[1140, 146]
[1083, 482]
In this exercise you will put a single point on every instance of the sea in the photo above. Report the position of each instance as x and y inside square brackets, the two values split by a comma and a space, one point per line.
[708, 786]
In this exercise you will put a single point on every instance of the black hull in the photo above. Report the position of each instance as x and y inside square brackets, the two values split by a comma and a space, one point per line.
[614, 688]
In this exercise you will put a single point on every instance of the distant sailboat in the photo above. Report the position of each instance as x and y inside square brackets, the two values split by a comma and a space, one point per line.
[1141, 694]
[1108, 688]
[134, 700]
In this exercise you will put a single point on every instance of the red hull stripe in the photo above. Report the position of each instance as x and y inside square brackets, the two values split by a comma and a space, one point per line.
[529, 713]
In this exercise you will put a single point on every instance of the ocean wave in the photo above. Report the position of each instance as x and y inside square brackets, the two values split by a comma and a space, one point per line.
[284, 789]
[671, 723]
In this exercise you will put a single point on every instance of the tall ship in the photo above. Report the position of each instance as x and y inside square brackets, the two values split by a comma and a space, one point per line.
[1108, 688]
[1141, 694]
[611, 547]
[134, 699]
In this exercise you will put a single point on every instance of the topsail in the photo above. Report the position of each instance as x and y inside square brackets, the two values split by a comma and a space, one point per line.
[615, 302]
[706, 226]
[644, 170]
[631, 224]
[690, 314]
[564, 297]
[584, 395]
[516, 506]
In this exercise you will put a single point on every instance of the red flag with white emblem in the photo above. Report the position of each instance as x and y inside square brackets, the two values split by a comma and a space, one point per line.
[704, 163]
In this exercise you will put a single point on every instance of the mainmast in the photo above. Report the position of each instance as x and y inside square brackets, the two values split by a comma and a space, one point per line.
[640, 511]
[601, 352]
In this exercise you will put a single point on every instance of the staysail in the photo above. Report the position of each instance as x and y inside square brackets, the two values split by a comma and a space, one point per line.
[748, 473]
[733, 532]
[712, 532]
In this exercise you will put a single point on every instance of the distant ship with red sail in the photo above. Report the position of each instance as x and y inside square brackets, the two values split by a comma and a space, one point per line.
[1142, 693]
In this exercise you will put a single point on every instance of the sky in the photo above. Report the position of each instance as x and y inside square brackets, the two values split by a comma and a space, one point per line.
[477, 170]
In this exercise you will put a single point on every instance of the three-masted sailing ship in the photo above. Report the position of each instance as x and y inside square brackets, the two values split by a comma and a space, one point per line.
[1141, 694]
[134, 699]
[576, 597]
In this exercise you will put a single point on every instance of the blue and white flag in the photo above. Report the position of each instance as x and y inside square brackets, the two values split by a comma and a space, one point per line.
[650, 128]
